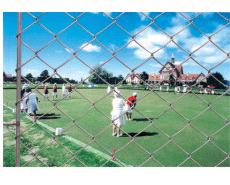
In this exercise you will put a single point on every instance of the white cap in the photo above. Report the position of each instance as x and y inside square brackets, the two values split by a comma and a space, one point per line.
[134, 94]
[117, 94]
[24, 86]
[55, 84]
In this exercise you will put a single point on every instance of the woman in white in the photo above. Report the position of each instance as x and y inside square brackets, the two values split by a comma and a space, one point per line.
[108, 89]
[32, 102]
[23, 102]
[160, 88]
[63, 90]
[117, 113]
[167, 88]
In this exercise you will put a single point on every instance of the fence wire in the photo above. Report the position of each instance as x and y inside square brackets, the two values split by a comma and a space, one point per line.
[152, 88]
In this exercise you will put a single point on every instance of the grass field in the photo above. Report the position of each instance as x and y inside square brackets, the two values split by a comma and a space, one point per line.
[151, 139]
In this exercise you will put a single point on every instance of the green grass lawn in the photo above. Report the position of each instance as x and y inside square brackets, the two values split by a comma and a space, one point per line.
[150, 139]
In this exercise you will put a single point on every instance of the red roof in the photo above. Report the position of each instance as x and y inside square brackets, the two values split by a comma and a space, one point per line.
[154, 77]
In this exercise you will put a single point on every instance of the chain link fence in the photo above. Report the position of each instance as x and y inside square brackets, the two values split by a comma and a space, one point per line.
[152, 89]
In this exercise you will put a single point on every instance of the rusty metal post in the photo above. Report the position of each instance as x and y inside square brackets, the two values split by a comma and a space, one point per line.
[18, 70]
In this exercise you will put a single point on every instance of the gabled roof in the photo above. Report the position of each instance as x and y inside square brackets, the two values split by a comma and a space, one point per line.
[154, 77]
[132, 75]
[177, 68]
[190, 76]
[9, 75]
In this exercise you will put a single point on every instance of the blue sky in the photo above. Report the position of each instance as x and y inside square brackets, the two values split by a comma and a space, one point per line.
[113, 38]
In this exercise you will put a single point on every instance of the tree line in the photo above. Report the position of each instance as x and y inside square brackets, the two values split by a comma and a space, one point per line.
[109, 78]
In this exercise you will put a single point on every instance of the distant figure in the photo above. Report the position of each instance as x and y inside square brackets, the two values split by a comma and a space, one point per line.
[116, 89]
[63, 90]
[55, 91]
[32, 102]
[184, 89]
[201, 90]
[167, 88]
[45, 93]
[70, 90]
[213, 92]
[130, 104]
[117, 113]
[108, 89]
[175, 90]
[205, 91]
[23, 94]
[160, 88]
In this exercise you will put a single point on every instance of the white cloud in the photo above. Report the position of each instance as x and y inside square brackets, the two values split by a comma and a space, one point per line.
[155, 65]
[58, 51]
[34, 72]
[150, 39]
[143, 17]
[90, 48]
[69, 50]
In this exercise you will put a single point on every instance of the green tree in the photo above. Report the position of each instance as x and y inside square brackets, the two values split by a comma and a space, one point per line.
[144, 76]
[120, 78]
[4, 77]
[44, 75]
[213, 82]
[172, 79]
[103, 73]
[29, 76]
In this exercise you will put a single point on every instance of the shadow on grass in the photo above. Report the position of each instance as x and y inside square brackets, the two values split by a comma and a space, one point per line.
[49, 116]
[141, 134]
[142, 119]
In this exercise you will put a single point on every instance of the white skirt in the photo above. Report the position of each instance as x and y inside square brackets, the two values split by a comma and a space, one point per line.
[54, 93]
[64, 92]
[118, 113]
[23, 104]
[127, 108]
[32, 106]
[46, 95]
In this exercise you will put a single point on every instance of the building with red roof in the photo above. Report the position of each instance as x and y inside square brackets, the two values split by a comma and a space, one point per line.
[177, 71]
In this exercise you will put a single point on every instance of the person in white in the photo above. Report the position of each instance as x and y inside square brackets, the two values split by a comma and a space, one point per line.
[117, 113]
[32, 102]
[160, 88]
[130, 104]
[108, 89]
[167, 88]
[23, 102]
[63, 90]
[175, 90]
[116, 89]
[205, 91]
[184, 89]
[213, 92]
[178, 90]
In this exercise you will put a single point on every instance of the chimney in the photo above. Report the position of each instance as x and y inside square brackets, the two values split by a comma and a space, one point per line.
[172, 59]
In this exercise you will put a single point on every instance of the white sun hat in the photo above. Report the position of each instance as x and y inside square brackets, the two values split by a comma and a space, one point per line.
[134, 94]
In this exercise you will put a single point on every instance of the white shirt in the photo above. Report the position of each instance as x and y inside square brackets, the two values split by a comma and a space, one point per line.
[118, 104]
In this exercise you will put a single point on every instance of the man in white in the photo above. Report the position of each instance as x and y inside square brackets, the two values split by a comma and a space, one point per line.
[23, 94]
[63, 90]
[160, 88]
[175, 90]
[117, 113]
[32, 102]
[167, 88]
[130, 104]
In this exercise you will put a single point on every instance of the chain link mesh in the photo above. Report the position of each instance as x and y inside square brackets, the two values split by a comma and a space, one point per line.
[151, 88]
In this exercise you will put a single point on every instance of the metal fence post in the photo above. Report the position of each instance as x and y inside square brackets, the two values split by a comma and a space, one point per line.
[18, 89]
